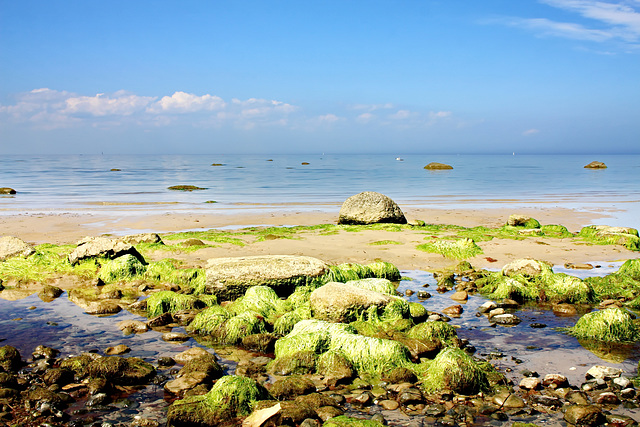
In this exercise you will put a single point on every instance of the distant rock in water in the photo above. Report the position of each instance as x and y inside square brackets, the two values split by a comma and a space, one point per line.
[115, 170]
[185, 188]
[369, 208]
[217, 164]
[438, 166]
[7, 190]
[304, 163]
[596, 165]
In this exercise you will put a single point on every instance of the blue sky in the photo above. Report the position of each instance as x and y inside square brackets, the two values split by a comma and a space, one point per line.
[449, 76]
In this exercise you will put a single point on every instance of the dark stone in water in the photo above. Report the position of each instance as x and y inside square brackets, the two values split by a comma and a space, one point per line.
[536, 325]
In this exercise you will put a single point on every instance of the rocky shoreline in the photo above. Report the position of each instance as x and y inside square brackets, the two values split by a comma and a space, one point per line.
[330, 345]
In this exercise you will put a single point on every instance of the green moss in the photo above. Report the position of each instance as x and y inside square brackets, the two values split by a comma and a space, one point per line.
[385, 242]
[298, 363]
[231, 396]
[48, 261]
[564, 288]
[241, 325]
[261, 300]
[346, 272]
[507, 287]
[383, 286]
[345, 421]
[334, 364]
[316, 342]
[594, 235]
[453, 369]
[370, 355]
[431, 331]
[384, 270]
[126, 267]
[209, 320]
[559, 231]
[631, 268]
[456, 249]
[170, 302]
[395, 310]
[417, 311]
[611, 325]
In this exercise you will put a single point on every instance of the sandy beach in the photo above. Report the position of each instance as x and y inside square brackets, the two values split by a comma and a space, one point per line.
[334, 248]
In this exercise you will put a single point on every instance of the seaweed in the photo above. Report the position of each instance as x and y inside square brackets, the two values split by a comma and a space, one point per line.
[170, 302]
[431, 331]
[261, 300]
[456, 249]
[610, 325]
[453, 369]
[383, 286]
[125, 267]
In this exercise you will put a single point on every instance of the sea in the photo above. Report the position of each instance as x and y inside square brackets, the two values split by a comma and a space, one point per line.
[131, 184]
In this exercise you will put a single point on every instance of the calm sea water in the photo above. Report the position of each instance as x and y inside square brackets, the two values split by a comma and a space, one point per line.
[86, 183]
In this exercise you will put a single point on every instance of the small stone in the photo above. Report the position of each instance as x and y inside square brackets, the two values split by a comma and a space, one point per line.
[530, 383]
[537, 325]
[424, 295]
[487, 306]
[118, 349]
[628, 393]
[135, 326]
[454, 310]
[564, 310]
[544, 400]
[555, 381]
[389, 405]
[622, 382]
[506, 319]
[460, 296]
[364, 399]
[192, 353]
[607, 398]
[603, 372]
[583, 415]
[175, 337]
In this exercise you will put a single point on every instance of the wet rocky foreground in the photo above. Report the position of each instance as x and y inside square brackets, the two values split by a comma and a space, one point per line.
[61, 376]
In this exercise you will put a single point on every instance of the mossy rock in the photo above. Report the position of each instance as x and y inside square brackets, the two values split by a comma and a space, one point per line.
[231, 397]
[298, 363]
[48, 293]
[596, 165]
[611, 325]
[438, 166]
[185, 188]
[291, 413]
[606, 235]
[261, 300]
[522, 221]
[207, 364]
[125, 267]
[292, 386]
[170, 302]
[454, 249]
[345, 421]
[335, 367]
[400, 375]
[261, 343]
[121, 370]
[418, 312]
[10, 359]
[435, 331]
[455, 370]
[383, 286]
[631, 268]
[526, 267]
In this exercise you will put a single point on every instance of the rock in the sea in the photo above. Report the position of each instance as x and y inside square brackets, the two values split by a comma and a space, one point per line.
[596, 165]
[438, 166]
[369, 208]
[506, 319]
[102, 247]
[343, 302]
[48, 293]
[583, 415]
[522, 221]
[12, 246]
[10, 359]
[7, 190]
[185, 188]
[229, 278]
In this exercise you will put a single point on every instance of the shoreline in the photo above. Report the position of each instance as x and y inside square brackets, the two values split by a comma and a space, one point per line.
[358, 247]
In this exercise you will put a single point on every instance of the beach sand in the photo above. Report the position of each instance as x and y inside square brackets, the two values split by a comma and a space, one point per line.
[336, 248]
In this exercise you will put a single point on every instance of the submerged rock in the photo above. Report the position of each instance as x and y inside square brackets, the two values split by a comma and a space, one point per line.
[12, 246]
[229, 278]
[369, 208]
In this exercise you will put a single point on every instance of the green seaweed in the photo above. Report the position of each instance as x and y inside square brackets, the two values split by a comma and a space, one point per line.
[453, 369]
[47, 262]
[431, 331]
[209, 321]
[594, 235]
[382, 286]
[170, 302]
[370, 355]
[455, 249]
[125, 267]
[610, 325]
[346, 421]
[385, 242]
[261, 300]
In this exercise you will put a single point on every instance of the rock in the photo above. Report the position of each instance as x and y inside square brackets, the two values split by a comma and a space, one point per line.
[60, 376]
[185, 382]
[370, 208]
[175, 337]
[410, 396]
[544, 400]
[7, 190]
[454, 310]
[578, 266]
[508, 400]
[555, 381]
[526, 267]
[583, 415]
[622, 382]
[207, 364]
[399, 376]
[522, 221]
[192, 353]
[42, 352]
[342, 302]
[564, 309]
[607, 398]
[133, 326]
[103, 247]
[161, 320]
[229, 278]
[292, 386]
[460, 296]
[117, 350]
[438, 166]
[12, 246]
[530, 383]
[48, 293]
[103, 308]
[10, 358]
[262, 343]
[596, 165]
[487, 307]
[603, 372]
[185, 188]
[193, 242]
[389, 405]
[135, 239]
[506, 319]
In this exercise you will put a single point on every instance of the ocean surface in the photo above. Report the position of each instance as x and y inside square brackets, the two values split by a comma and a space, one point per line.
[87, 183]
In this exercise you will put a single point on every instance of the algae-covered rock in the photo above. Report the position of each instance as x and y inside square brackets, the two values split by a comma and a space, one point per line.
[383, 286]
[184, 187]
[454, 249]
[231, 396]
[7, 190]
[262, 300]
[438, 166]
[229, 278]
[297, 363]
[206, 364]
[369, 208]
[596, 165]
[290, 387]
[453, 369]
[418, 312]
[606, 235]
[102, 247]
[125, 267]
[524, 221]
[342, 302]
[171, 302]
[435, 331]
[12, 246]
[526, 267]
[345, 421]
[48, 293]
[335, 367]
[121, 370]
[10, 359]
[611, 324]
[225, 328]
[136, 239]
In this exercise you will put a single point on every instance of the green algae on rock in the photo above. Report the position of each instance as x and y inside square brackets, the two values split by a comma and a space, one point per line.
[611, 325]
[231, 397]
[456, 249]
[453, 369]
[430, 331]
[170, 302]
[125, 267]
[185, 188]
[345, 421]
[606, 235]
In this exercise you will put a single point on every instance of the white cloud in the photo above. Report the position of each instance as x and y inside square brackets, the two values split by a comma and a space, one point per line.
[530, 132]
[373, 107]
[119, 104]
[546, 27]
[365, 117]
[182, 102]
[329, 118]
[401, 115]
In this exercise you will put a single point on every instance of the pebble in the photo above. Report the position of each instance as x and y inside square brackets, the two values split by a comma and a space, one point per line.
[530, 383]
[622, 382]
[554, 380]
[505, 319]
[603, 372]
[487, 307]
[389, 405]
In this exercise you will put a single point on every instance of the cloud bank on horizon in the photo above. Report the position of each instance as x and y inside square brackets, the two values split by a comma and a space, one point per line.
[533, 76]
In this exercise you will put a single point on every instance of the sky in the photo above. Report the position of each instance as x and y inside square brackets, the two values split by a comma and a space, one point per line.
[330, 76]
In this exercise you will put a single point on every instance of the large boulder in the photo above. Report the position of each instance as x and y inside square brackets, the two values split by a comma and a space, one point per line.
[369, 208]
[229, 278]
[102, 247]
[12, 246]
[343, 302]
